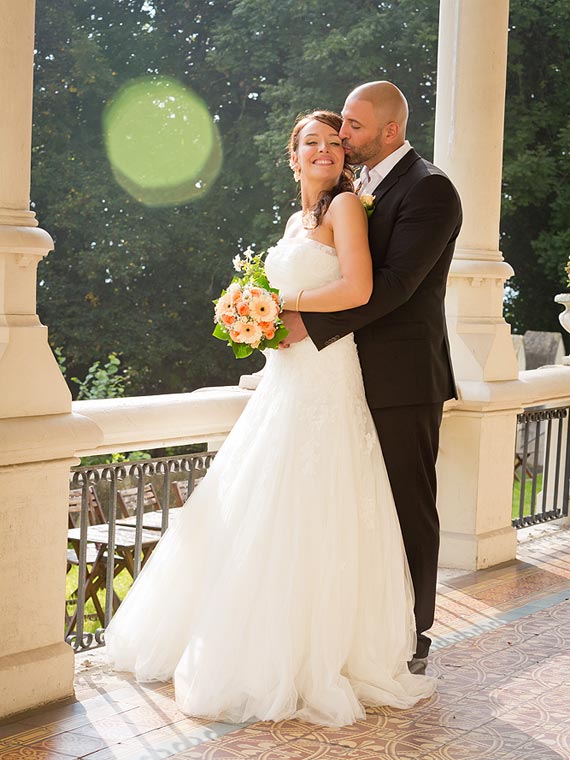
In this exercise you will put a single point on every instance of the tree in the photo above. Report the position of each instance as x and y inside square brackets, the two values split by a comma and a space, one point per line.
[535, 226]
[139, 281]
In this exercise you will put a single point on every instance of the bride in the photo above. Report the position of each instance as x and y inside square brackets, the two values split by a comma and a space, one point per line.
[283, 589]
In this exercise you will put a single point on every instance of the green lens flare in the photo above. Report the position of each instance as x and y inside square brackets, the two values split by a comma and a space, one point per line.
[162, 144]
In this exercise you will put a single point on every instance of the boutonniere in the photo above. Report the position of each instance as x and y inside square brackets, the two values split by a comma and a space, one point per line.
[368, 203]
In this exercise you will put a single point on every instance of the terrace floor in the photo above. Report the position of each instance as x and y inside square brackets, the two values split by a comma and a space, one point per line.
[501, 654]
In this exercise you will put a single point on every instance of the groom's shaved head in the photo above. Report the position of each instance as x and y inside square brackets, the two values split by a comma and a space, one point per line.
[374, 117]
[388, 102]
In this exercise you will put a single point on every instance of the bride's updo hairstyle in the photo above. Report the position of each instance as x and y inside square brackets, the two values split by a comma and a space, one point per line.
[345, 182]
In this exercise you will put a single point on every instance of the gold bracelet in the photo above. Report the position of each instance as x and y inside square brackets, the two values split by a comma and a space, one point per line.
[298, 299]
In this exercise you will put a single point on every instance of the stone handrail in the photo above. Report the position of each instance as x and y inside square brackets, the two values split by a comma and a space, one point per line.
[207, 415]
[534, 387]
[143, 422]
[123, 424]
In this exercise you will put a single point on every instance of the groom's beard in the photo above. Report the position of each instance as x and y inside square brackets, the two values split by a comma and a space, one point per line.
[357, 156]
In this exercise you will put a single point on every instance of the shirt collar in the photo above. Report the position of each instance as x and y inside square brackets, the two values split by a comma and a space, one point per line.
[382, 169]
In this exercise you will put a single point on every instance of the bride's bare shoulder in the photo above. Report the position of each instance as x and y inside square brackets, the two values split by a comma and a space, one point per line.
[346, 202]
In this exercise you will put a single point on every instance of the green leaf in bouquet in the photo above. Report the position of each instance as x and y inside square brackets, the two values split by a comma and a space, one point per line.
[220, 332]
[263, 282]
[280, 334]
[241, 350]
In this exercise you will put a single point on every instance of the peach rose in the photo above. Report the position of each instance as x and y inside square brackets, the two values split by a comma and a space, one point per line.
[268, 330]
[242, 309]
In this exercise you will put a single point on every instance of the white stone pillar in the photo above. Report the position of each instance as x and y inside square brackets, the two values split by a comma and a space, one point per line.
[475, 487]
[472, 61]
[475, 478]
[36, 666]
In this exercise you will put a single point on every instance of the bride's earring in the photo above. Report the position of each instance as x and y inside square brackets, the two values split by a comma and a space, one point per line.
[296, 170]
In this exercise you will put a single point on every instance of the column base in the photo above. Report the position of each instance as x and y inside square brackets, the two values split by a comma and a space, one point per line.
[36, 678]
[476, 552]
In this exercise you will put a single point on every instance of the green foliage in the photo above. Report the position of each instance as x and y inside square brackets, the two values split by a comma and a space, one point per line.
[130, 456]
[139, 280]
[529, 482]
[61, 360]
[536, 194]
[106, 381]
[121, 585]
[102, 381]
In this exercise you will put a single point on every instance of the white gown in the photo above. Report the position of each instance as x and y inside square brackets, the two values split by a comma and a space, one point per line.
[283, 589]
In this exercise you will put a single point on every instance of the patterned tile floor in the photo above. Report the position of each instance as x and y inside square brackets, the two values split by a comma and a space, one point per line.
[501, 654]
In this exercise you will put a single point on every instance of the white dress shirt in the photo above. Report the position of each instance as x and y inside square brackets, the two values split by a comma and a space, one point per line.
[382, 169]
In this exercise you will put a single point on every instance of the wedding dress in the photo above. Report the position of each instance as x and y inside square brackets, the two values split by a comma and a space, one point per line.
[283, 589]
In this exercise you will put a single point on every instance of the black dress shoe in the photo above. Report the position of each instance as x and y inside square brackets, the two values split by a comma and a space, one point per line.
[417, 666]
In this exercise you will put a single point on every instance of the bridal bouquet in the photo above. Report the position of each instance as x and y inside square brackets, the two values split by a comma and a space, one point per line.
[247, 313]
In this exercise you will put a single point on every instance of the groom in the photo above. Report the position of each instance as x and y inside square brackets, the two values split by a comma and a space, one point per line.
[401, 332]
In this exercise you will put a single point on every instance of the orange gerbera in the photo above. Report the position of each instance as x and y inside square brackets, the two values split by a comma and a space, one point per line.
[246, 332]
[263, 308]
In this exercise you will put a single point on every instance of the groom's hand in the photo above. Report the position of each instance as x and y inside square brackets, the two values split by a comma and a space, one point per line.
[294, 323]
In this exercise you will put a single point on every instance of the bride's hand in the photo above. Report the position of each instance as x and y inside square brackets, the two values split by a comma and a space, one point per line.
[294, 323]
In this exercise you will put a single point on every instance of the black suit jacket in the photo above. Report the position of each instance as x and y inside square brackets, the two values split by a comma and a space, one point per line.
[401, 332]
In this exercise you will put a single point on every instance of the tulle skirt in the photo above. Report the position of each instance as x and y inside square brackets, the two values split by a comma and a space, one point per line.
[283, 589]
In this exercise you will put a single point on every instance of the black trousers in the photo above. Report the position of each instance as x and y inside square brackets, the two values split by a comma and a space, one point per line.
[409, 436]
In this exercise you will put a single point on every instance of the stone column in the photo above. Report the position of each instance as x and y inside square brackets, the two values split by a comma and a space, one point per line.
[472, 60]
[472, 65]
[36, 666]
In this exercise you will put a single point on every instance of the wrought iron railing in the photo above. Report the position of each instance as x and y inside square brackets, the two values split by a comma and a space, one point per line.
[117, 513]
[542, 466]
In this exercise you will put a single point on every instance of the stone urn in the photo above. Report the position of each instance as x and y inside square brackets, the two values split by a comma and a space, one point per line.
[564, 317]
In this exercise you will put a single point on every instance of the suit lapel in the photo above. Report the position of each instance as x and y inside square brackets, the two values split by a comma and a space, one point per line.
[393, 177]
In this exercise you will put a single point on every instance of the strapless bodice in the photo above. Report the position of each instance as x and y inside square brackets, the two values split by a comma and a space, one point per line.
[295, 263]
[301, 263]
